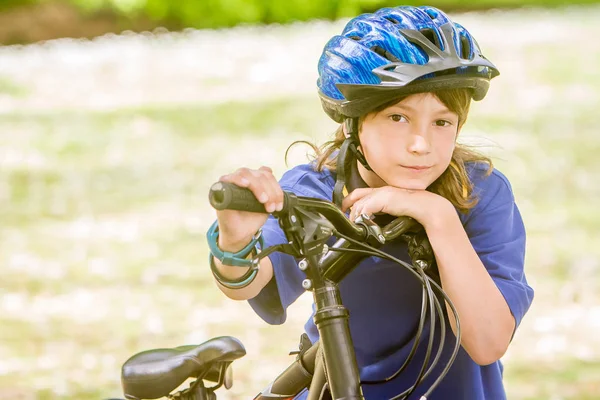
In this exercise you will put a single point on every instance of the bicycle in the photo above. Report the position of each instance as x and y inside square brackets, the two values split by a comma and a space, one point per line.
[329, 365]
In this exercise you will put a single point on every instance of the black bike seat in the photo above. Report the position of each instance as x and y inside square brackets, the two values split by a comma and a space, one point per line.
[153, 374]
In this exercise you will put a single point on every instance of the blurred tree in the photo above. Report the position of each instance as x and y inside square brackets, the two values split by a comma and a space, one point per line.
[4, 4]
[119, 15]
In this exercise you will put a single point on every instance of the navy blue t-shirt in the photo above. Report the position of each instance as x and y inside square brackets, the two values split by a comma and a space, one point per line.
[384, 299]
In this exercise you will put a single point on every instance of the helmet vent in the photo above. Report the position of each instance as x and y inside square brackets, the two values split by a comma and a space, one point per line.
[432, 14]
[354, 37]
[465, 51]
[392, 20]
[385, 54]
[431, 36]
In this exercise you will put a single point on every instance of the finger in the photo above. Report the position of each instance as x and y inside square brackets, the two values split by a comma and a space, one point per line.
[357, 213]
[356, 210]
[277, 198]
[365, 211]
[352, 215]
[236, 179]
[354, 196]
[255, 183]
[265, 168]
[373, 205]
[278, 193]
[368, 205]
[272, 188]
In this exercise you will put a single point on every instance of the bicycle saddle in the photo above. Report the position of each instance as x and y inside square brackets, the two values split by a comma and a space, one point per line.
[153, 374]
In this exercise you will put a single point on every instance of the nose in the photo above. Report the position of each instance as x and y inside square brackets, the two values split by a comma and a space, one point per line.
[419, 141]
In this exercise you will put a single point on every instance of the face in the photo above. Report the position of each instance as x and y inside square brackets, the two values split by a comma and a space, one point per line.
[409, 144]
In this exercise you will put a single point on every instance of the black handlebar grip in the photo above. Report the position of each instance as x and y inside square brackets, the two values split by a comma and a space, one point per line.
[227, 196]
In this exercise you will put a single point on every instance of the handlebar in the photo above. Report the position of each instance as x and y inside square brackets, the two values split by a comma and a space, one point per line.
[307, 223]
[227, 196]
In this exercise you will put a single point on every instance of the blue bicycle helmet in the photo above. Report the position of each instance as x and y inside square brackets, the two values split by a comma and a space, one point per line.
[395, 52]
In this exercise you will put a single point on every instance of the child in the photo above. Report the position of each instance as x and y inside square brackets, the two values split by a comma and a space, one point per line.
[400, 82]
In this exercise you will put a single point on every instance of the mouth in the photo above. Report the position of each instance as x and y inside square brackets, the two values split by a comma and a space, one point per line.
[416, 167]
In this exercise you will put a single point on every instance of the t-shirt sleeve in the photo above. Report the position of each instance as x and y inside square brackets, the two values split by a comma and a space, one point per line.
[286, 286]
[497, 233]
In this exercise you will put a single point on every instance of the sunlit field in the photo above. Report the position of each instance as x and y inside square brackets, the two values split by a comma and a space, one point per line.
[108, 148]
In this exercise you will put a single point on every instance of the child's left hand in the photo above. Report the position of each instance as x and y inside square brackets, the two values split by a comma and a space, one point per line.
[424, 206]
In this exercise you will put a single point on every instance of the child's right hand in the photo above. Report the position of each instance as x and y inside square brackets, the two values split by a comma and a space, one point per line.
[236, 228]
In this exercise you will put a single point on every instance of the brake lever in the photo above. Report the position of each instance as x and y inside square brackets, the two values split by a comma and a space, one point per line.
[421, 253]
[419, 247]
[373, 231]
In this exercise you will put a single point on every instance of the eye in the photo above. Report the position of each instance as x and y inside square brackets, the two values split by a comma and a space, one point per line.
[443, 123]
[398, 118]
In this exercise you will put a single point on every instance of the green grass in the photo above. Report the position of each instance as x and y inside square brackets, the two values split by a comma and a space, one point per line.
[108, 163]
[571, 379]
[10, 88]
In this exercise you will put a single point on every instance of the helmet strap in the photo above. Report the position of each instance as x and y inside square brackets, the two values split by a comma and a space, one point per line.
[344, 159]
[348, 154]
[351, 125]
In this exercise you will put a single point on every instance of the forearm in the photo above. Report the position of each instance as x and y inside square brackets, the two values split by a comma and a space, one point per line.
[486, 321]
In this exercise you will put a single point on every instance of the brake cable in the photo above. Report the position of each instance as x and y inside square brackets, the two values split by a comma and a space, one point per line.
[374, 251]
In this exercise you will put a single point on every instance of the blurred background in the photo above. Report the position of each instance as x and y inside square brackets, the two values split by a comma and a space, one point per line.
[117, 115]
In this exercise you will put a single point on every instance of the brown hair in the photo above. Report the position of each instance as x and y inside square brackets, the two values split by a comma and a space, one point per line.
[454, 183]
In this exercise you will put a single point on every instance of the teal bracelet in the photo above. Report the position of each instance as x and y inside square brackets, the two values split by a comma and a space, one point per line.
[239, 283]
[238, 259]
